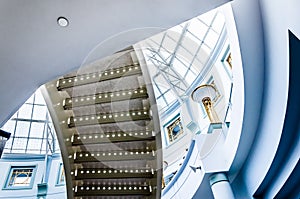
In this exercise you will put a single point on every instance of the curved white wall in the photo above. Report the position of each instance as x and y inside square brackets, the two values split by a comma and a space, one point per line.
[185, 182]
[262, 28]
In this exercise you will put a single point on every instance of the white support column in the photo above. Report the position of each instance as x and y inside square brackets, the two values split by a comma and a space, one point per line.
[220, 186]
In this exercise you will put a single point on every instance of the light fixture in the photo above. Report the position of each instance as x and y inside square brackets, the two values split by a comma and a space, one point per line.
[194, 168]
[205, 94]
[62, 21]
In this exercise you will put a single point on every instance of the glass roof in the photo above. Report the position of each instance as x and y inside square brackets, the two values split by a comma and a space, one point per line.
[31, 128]
[178, 56]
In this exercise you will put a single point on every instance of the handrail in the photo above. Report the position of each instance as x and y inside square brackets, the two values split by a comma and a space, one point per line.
[181, 169]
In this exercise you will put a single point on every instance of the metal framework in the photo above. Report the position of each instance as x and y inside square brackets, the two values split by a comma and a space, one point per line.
[31, 129]
[177, 72]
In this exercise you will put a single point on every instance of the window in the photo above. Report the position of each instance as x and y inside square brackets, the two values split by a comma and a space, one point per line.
[229, 60]
[226, 60]
[61, 175]
[20, 177]
[175, 129]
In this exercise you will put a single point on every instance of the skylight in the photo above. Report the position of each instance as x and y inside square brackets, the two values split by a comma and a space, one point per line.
[178, 56]
[31, 128]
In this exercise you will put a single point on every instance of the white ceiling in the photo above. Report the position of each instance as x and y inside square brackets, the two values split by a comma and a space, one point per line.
[35, 50]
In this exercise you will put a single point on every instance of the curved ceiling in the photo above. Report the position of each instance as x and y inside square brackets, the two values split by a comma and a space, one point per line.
[35, 50]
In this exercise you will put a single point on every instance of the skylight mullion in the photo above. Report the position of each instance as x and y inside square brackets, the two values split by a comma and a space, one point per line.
[198, 18]
[156, 53]
[186, 50]
[158, 88]
[13, 135]
[155, 42]
[203, 42]
[159, 62]
[163, 38]
[191, 64]
[167, 50]
[184, 64]
[166, 91]
[43, 137]
[179, 42]
[212, 22]
[195, 36]
[171, 38]
[209, 28]
[28, 137]
[180, 88]
[166, 79]
[175, 76]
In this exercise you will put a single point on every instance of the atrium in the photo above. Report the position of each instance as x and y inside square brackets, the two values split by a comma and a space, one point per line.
[171, 100]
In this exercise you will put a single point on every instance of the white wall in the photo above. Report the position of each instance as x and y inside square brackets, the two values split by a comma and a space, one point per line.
[277, 17]
[188, 181]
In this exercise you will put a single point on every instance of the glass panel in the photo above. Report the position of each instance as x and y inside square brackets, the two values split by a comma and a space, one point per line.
[169, 44]
[206, 50]
[19, 144]
[193, 37]
[34, 144]
[10, 126]
[39, 112]
[15, 115]
[198, 28]
[179, 67]
[170, 97]
[165, 57]
[161, 103]
[194, 70]
[197, 65]
[190, 45]
[190, 77]
[43, 145]
[161, 83]
[208, 17]
[211, 39]
[30, 100]
[25, 111]
[174, 35]
[39, 99]
[37, 129]
[218, 23]
[22, 129]
[150, 43]
[177, 29]
[8, 145]
[156, 91]
[157, 38]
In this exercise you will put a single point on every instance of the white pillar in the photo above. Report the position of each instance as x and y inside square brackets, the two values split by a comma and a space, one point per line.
[220, 186]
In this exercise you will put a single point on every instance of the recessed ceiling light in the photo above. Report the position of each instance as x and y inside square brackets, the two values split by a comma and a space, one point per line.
[62, 21]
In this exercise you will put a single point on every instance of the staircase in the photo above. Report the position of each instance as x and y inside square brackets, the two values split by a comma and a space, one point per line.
[107, 129]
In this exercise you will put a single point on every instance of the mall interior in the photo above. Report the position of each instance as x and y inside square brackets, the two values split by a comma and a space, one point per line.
[149, 99]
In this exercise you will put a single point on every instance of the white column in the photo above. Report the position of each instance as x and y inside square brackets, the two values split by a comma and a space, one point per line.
[220, 186]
